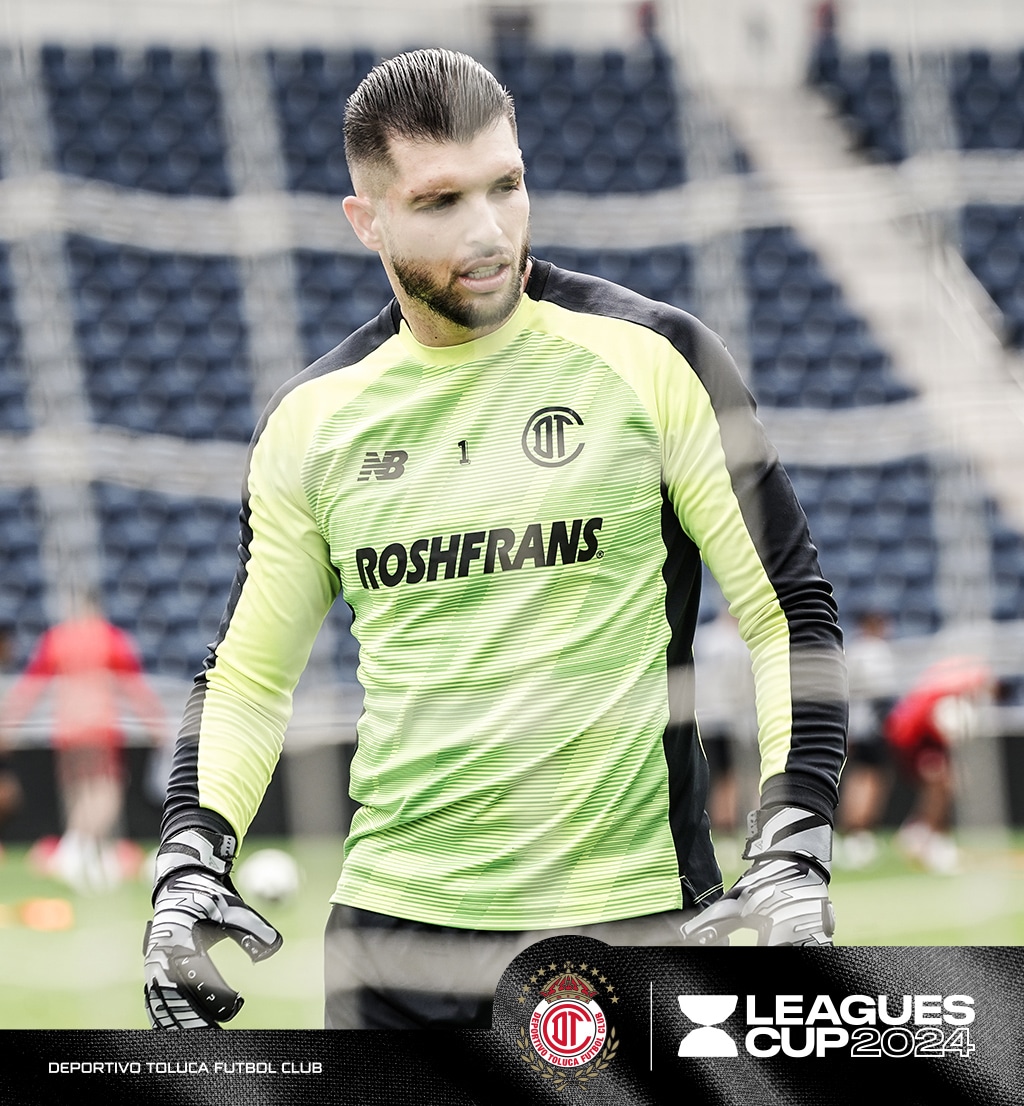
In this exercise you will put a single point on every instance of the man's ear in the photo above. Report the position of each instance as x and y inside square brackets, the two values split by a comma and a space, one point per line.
[361, 212]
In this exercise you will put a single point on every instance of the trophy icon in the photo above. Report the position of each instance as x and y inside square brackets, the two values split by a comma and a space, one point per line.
[707, 1011]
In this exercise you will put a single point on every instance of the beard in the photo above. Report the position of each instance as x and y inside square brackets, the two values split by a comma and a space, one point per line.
[450, 303]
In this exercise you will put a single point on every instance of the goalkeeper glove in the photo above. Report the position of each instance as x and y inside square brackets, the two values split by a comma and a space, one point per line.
[195, 905]
[784, 893]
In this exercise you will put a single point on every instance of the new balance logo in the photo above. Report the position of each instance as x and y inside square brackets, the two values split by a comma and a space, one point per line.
[389, 467]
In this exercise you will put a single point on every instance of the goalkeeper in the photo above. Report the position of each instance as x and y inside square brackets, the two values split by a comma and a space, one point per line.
[512, 476]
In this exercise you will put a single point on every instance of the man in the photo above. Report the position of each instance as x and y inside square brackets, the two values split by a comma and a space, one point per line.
[510, 474]
[937, 712]
[94, 670]
[725, 714]
[871, 664]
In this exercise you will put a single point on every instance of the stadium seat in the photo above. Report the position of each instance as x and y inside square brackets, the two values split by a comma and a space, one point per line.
[595, 122]
[167, 564]
[992, 244]
[663, 272]
[986, 98]
[986, 90]
[14, 414]
[873, 528]
[150, 121]
[336, 295]
[22, 581]
[311, 87]
[1007, 568]
[162, 340]
[807, 347]
[863, 90]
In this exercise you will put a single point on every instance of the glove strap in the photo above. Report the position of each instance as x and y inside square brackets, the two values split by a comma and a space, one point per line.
[792, 833]
[195, 848]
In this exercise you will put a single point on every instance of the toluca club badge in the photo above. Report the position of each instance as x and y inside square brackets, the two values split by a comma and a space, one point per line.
[568, 1038]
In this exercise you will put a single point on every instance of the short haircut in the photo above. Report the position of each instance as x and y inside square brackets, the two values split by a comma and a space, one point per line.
[436, 95]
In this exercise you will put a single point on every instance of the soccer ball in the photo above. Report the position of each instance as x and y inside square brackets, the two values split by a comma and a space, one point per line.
[269, 874]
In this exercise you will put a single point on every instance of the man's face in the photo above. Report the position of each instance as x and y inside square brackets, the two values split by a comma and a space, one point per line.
[452, 229]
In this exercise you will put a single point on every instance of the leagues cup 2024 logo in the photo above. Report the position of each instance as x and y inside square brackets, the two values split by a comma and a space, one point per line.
[568, 1039]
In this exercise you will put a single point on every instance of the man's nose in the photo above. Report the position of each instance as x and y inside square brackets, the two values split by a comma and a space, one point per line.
[483, 227]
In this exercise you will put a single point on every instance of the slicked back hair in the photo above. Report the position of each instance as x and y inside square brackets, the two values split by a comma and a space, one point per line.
[433, 95]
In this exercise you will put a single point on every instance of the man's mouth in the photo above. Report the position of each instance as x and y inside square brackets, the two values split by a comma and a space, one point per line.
[485, 278]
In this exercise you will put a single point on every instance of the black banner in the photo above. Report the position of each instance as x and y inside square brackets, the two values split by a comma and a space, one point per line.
[577, 1021]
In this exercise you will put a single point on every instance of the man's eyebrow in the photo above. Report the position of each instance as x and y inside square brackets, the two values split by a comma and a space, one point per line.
[430, 195]
[443, 192]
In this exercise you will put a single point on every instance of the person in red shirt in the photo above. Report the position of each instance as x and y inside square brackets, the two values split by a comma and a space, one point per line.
[93, 669]
[921, 729]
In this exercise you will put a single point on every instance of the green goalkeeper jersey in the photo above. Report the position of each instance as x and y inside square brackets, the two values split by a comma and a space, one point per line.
[517, 524]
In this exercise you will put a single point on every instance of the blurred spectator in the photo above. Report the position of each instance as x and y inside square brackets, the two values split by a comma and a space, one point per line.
[91, 666]
[866, 780]
[647, 19]
[824, 44]
[825, 18]
[938, 711]
[725, 712]
[10, 786]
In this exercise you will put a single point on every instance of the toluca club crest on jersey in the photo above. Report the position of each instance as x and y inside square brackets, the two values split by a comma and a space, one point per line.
[567, 1038]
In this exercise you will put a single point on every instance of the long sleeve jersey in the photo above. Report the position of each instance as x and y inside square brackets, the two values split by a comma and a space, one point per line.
[517, 524]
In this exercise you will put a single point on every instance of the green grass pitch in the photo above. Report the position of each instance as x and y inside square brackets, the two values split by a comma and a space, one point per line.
[87, 975]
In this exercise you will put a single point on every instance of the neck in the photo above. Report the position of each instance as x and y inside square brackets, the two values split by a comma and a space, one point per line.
[432, 329]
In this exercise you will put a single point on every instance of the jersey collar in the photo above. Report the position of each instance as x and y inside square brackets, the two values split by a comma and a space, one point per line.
[478, 348]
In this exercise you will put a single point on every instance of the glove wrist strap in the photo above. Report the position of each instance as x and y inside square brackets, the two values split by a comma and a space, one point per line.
[791, 833]
[195, 848]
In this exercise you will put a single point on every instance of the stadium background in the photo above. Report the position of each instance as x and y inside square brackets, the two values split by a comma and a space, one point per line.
[837, 189]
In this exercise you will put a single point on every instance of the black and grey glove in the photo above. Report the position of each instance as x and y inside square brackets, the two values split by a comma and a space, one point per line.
[783, 895]
[195, 905]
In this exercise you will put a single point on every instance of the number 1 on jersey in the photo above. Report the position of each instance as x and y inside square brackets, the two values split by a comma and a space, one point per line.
[464, 448]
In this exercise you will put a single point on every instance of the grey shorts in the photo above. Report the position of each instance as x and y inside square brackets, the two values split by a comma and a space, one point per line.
[389, 973]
